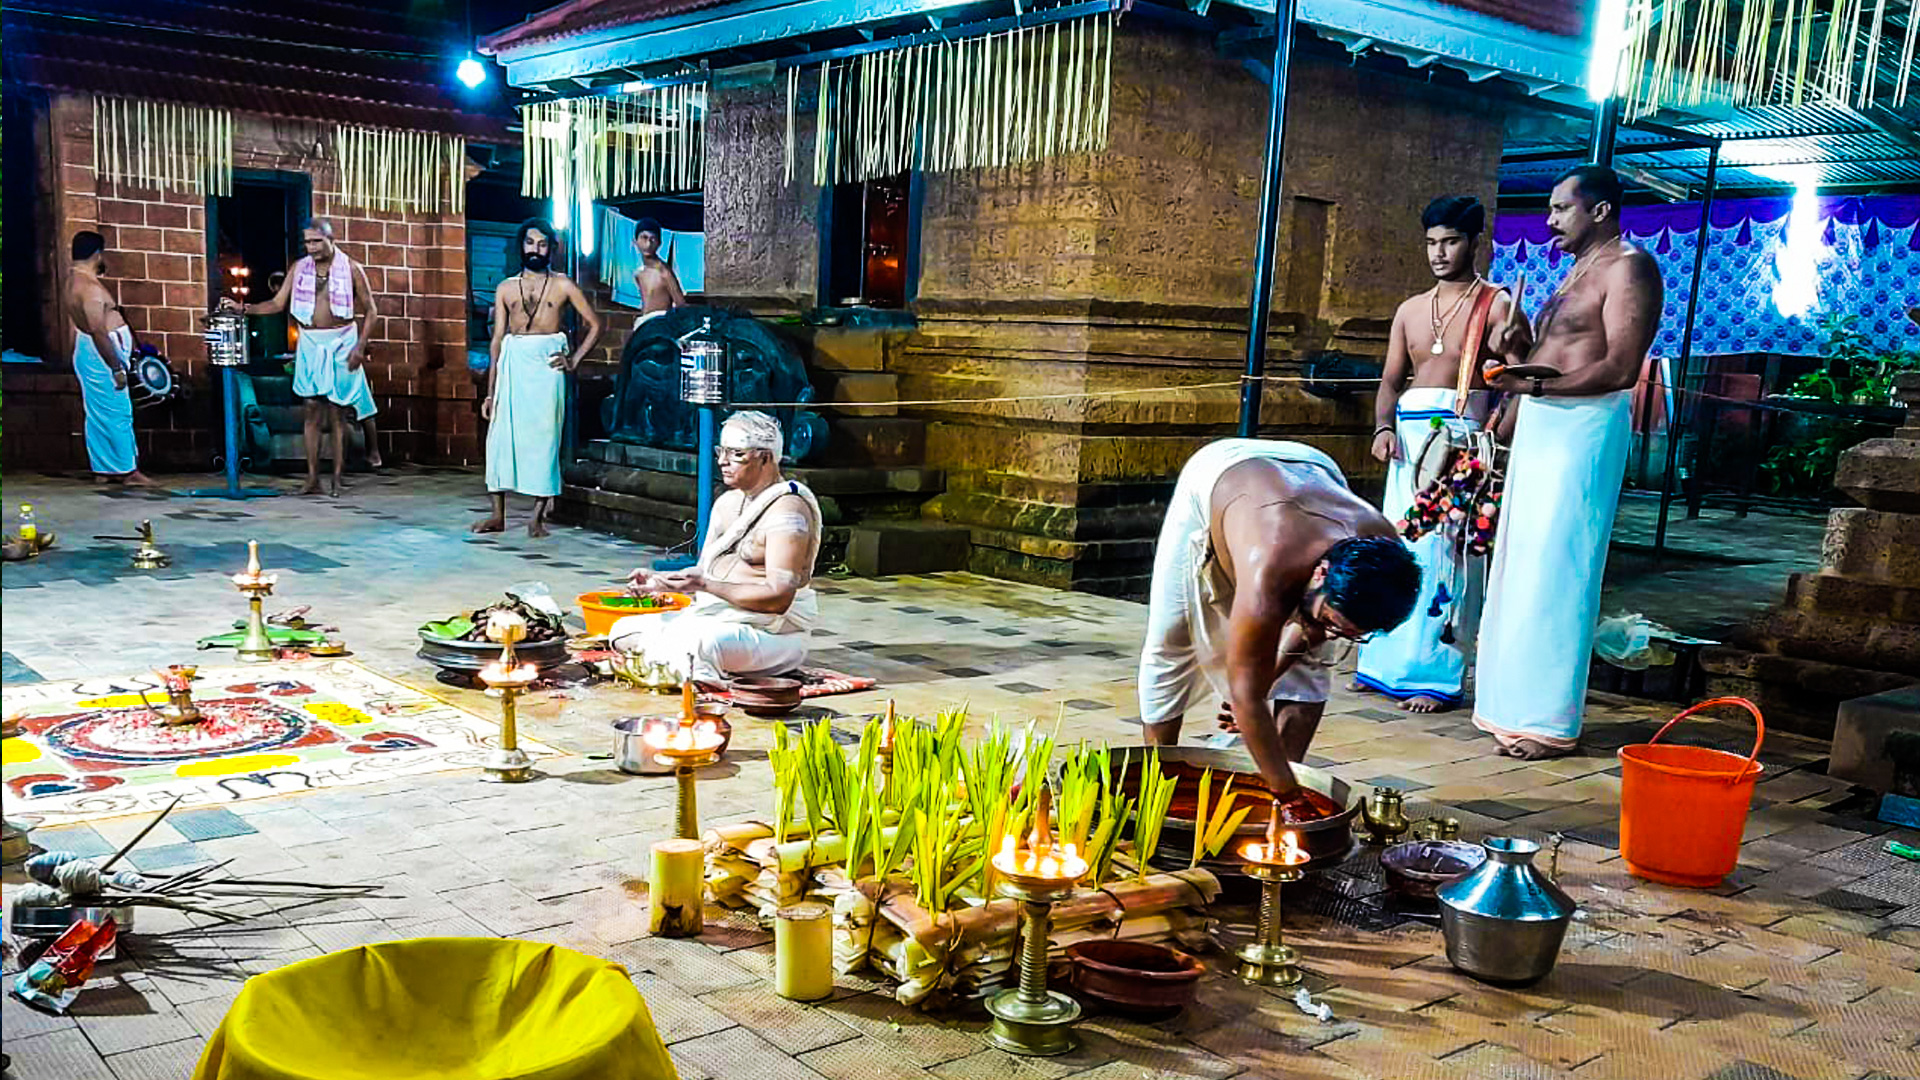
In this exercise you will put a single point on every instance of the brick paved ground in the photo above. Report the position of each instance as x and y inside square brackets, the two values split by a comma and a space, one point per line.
[1802, 965]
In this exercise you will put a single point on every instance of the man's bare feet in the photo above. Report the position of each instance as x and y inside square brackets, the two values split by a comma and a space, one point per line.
[311, 487]
[491, 525]
[1529, 750]
[374, 461]
[102, 479]
[1424, 703]
[1357, 687]
[136, 478]
[1226, 720]
[537, 528]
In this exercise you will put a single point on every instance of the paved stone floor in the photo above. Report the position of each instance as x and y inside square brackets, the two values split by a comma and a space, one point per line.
[1802, 965]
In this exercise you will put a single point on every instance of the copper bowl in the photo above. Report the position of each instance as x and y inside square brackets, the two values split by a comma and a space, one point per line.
[1135, 978]
[1327, 842]
[1417, 869]
[761, 696]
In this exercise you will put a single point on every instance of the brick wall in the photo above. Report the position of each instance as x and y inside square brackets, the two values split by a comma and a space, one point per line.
[156, 246]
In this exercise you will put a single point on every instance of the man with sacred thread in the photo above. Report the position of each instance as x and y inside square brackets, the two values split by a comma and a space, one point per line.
[1264, 560]
[526, 401]
[330, 355]
[754, 607]
[102, 349]
[1570, 433]
[1432, 396]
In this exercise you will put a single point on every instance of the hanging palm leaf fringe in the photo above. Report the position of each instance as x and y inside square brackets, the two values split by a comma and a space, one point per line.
[1686, 53]
[157, 144]
[1004, 99]
[629, 144]
[400, 171]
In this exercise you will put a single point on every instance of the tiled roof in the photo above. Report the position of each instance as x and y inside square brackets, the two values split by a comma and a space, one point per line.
[316, 60]
[1567, 18]
[583, 16]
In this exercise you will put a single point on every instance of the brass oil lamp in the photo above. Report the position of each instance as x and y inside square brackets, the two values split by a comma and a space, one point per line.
[509, 764]
[1031, 1020]
[686, 746]
[256, 647]
[1268, 960]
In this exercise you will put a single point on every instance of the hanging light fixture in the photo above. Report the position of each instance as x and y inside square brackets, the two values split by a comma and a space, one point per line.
[470, 72]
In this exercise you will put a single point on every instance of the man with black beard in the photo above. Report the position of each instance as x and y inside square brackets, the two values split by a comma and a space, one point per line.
[526, 382]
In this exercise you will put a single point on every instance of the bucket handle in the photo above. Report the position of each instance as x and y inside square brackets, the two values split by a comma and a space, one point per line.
[1759, 722]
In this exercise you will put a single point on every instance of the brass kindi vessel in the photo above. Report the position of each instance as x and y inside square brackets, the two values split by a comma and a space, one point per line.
[1383, 817]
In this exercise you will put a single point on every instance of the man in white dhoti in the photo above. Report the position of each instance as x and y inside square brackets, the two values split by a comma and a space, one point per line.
[102, 348]
[1265, 557]
[526, 403]
[1570, 435]
[754, 607]
[331, 351]
[1432, 382]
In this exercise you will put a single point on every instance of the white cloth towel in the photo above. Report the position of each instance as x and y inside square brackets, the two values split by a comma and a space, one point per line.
[110, 444]
[1543, 593]
[529, 406]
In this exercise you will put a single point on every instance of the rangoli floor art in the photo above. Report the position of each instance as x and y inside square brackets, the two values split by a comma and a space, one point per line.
[92, 748]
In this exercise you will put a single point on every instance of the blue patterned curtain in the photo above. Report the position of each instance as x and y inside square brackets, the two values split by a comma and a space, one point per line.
[1869, 267]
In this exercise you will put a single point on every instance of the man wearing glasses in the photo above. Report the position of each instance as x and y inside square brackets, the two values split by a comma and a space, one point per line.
[754, 606]
[1265, 558]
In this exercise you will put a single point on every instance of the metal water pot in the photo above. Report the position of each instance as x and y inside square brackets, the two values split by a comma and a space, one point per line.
[1504, 922]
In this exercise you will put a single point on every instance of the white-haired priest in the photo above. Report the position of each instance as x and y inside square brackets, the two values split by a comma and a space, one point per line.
[754, 607]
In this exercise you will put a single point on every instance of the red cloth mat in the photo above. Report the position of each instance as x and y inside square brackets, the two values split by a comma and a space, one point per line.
[814, 681]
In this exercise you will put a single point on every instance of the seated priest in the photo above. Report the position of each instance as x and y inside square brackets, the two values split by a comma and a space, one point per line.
[754, 606]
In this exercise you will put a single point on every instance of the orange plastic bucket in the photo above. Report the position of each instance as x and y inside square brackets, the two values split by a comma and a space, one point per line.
[1683, 808]
[600, 617]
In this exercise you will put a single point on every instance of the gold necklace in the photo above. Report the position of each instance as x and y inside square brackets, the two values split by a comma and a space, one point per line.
[1552, 307]
[1440, 327]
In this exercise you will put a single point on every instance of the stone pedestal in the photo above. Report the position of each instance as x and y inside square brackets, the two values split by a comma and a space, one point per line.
[1852, 627]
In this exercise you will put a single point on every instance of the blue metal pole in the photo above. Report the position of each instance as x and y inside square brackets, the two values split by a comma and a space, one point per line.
[704, 446]
[230, 385]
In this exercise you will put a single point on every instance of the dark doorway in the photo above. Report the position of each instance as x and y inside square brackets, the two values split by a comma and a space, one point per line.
[29, 278]
[254, 237]
[869, 242]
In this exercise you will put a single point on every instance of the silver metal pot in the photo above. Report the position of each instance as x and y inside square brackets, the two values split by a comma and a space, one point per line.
[1504, 922]
[630, 752]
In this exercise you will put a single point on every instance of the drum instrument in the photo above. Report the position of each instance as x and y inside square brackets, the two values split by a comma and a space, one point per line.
[150, 380]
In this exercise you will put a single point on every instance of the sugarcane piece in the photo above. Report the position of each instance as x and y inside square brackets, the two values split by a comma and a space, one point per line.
[141, 835]
[675, 891]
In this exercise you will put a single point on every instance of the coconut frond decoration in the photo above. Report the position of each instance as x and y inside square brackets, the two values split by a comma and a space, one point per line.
[400, 171]
[158, 144]
[1686, 53]
[627, 144]
[1028, 94]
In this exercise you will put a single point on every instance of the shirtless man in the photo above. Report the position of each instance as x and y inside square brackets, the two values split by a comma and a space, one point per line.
[1570, 436]
[526, 399]
[102, 347]
[1423, 661]
[659, 285]
[328, 297]
[1264, 558]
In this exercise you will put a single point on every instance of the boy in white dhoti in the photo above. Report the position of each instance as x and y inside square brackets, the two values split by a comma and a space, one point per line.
[102, 347]
[330, 354]
[526, 403]
[754, 607]
[1265, 557]
[1432, 379]
[1569, 456]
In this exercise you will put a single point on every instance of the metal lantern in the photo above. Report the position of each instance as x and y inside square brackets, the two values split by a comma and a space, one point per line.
[227, 339]
[703, 366]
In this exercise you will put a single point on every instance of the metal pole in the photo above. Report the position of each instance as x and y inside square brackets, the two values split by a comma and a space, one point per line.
[1686, 356]
[1606, 122]
[1262, 302]
[230, 389]
[707, 441]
